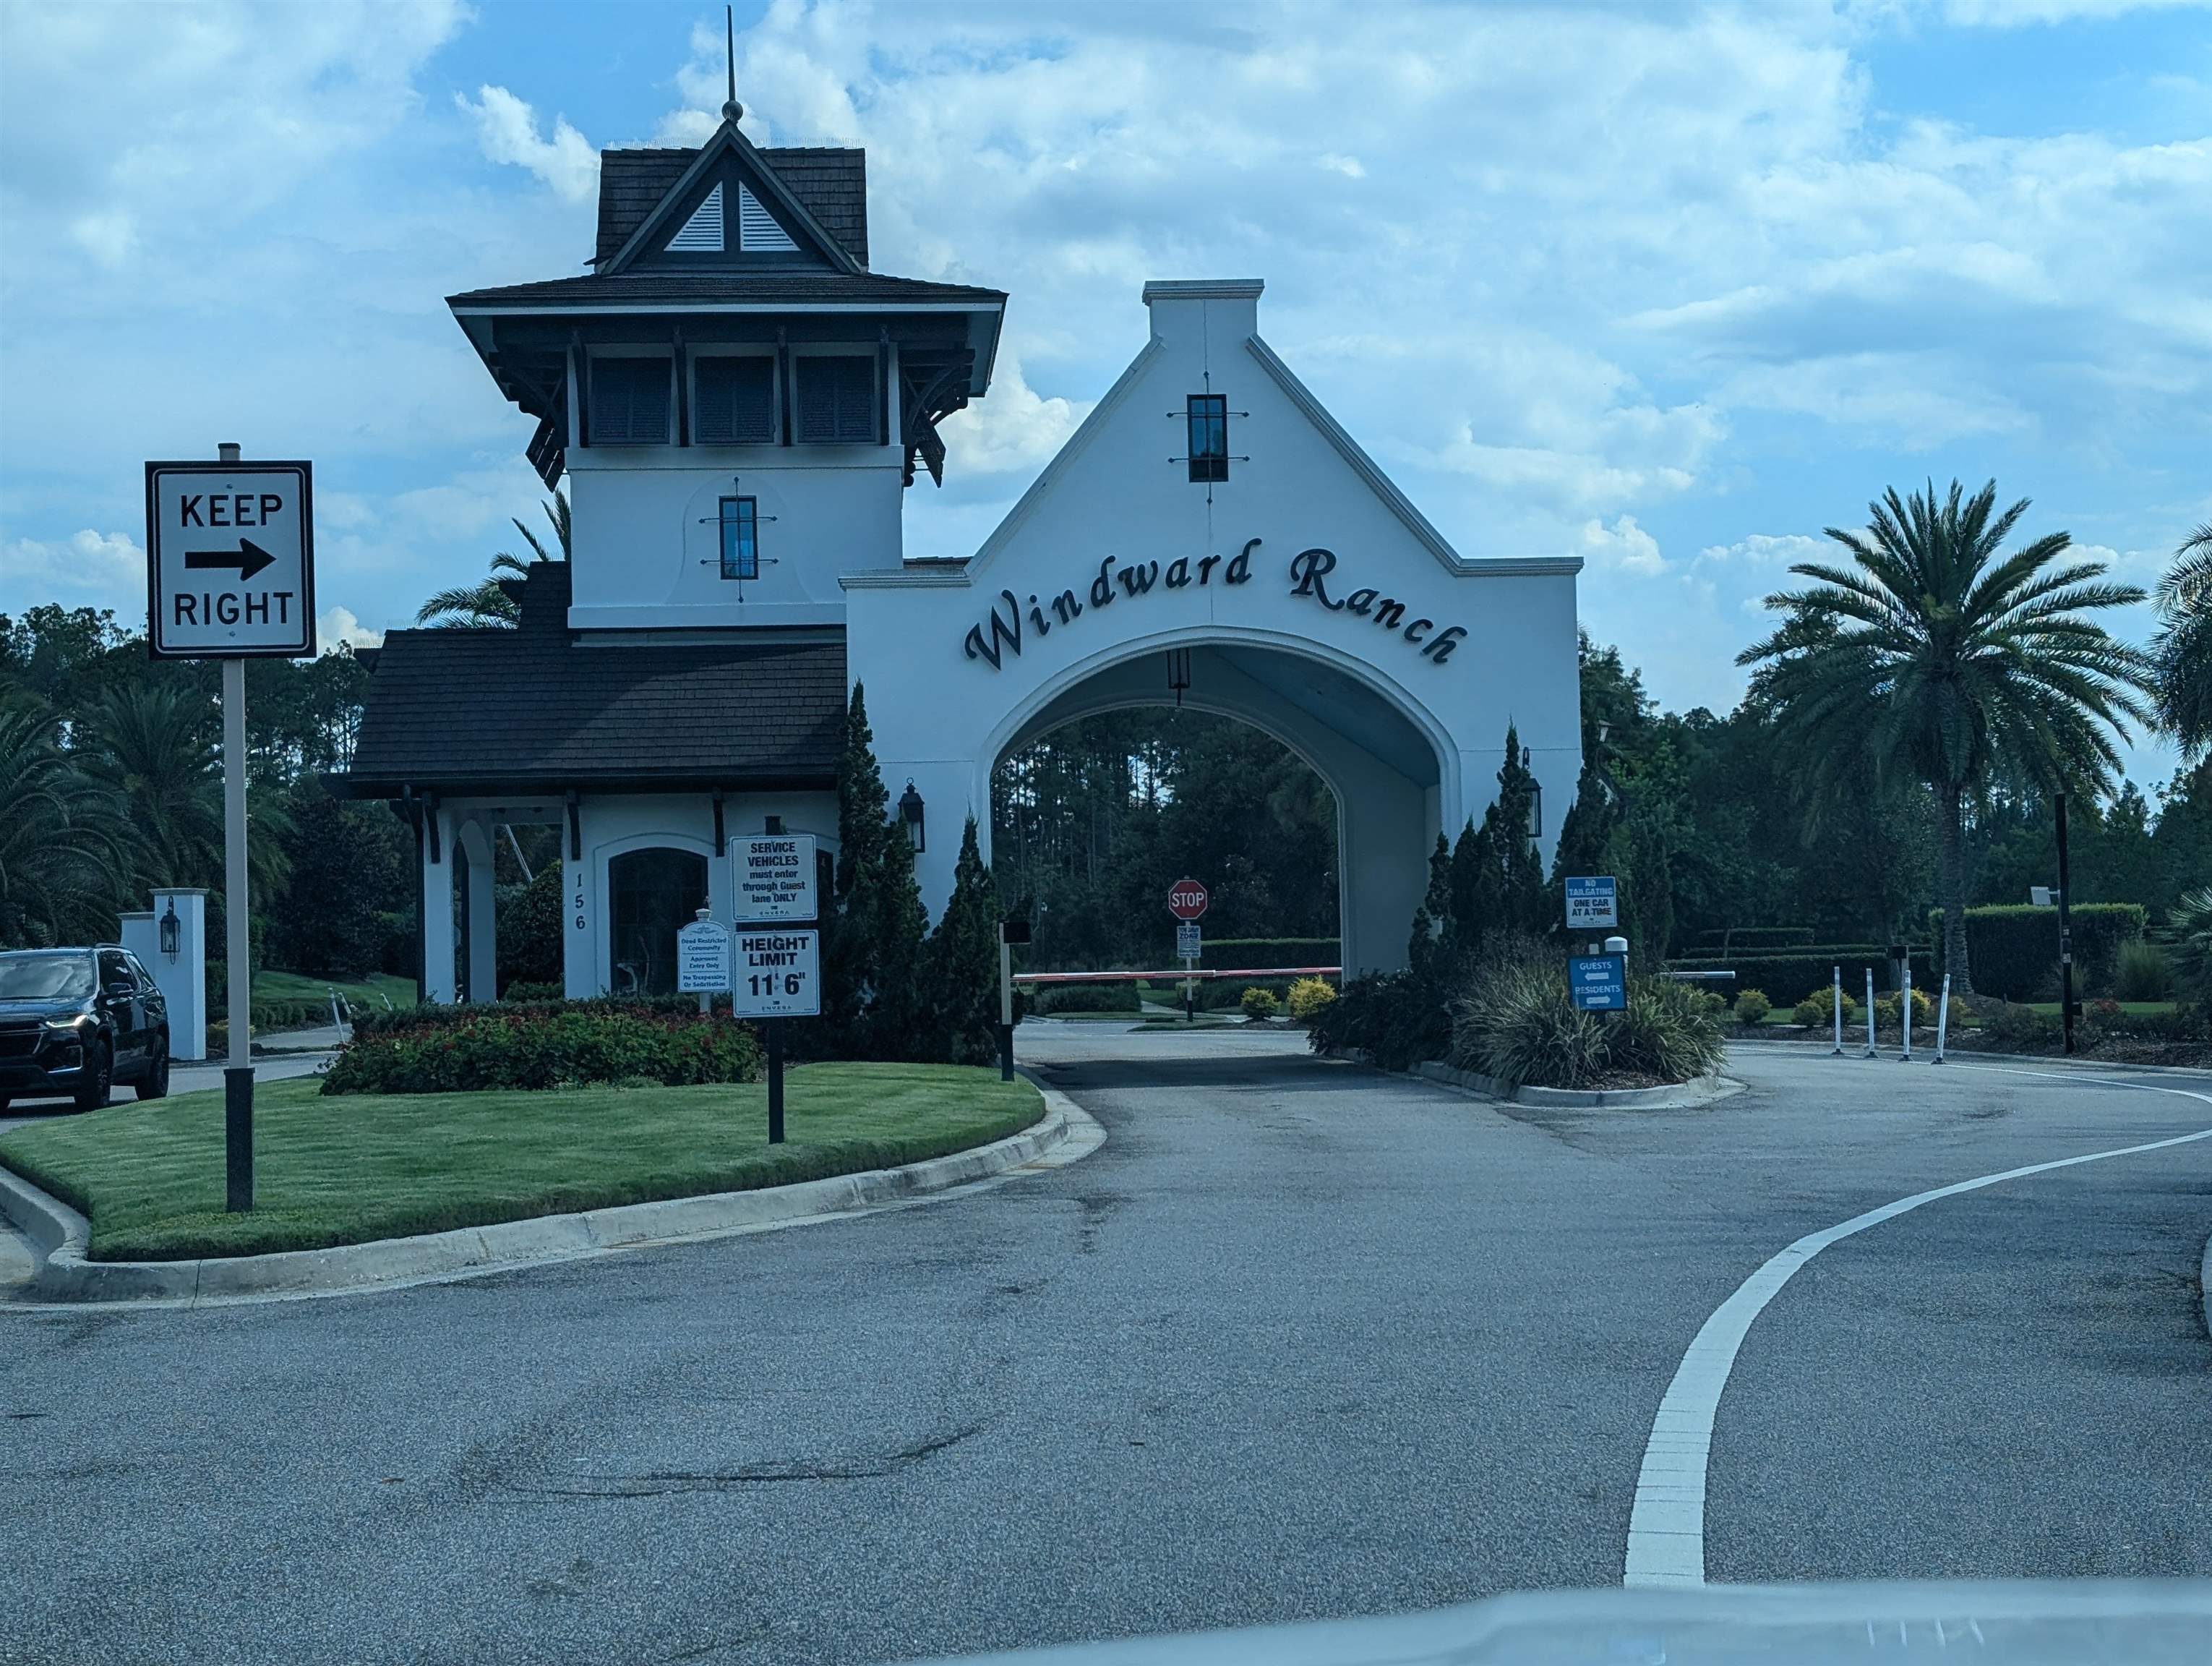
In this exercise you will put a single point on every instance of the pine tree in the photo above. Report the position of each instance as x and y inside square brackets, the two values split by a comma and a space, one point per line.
[963, 962]
[874, 1005]
[1474, 895]
[1584, 838]
[1521, 905]
[1429, 917]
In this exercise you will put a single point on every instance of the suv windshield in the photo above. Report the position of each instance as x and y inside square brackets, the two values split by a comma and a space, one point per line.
[45, 977]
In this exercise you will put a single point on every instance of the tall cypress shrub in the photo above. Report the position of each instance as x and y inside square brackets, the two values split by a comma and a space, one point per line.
[963, 962]
[873, 1004]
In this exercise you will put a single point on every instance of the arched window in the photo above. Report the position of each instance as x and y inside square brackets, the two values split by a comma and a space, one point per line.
[651, 895]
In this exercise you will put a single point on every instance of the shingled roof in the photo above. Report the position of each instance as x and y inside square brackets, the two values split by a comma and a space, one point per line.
[527, 710]
[832, 184]
[791, 285]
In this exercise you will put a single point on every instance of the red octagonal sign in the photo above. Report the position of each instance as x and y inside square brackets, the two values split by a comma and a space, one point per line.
[1187, 899]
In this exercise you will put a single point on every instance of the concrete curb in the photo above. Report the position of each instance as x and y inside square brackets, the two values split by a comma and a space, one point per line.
[1672, 1096]
[68, 1275]
[2205, 1287]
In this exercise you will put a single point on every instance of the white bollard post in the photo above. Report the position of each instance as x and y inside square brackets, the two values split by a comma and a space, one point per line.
[1840, 1013]
[1905, 1013]
[1942, 1016]
[1870, 1046]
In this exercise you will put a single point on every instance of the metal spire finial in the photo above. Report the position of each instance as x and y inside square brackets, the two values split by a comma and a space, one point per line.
[732, 109]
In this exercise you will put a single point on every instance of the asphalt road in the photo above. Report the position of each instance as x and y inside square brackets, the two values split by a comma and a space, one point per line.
[1297, 1340]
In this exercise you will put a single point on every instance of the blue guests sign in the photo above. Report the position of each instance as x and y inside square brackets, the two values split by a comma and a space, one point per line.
[1599, 982]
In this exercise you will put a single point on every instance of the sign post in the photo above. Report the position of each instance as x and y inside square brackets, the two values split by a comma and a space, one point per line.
[778, 974]
[1011, 932]
[1187, 900]
[230, 575]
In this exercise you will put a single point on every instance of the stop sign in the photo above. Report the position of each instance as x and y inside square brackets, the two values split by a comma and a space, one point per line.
[1187, 899]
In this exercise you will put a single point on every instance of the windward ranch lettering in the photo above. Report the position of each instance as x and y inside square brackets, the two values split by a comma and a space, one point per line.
[1003, 633]
[1133, 580]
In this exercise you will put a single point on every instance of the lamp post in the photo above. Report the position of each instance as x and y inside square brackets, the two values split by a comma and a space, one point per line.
[910, 814]
[169, 931]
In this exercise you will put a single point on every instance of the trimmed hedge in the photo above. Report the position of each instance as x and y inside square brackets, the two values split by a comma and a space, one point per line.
[404, 1020]
[2014, 947]
[1758, 937]
[488, 1048]
[1229, 953]
[1046, 999]
[1787, 979]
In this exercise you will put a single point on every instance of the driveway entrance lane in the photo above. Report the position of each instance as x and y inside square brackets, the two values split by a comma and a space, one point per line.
[1296, 1341]
[2014, 1382]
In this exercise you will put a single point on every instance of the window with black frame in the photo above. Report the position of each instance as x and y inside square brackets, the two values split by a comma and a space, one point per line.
[740, 537]
[1208, 415]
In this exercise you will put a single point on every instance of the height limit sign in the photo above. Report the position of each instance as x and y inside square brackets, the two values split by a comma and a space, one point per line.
[230, 561]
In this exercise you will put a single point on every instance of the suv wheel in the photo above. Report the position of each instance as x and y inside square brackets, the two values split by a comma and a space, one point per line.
[154, 1084]
[99, 1077]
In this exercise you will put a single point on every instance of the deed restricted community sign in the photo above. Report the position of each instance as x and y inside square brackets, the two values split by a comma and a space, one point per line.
[230, 561]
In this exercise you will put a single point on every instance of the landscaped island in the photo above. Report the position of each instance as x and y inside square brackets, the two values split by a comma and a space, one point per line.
[351, 1168]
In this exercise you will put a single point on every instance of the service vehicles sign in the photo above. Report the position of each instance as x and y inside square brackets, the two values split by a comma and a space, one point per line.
[230, 561]
[776, 877]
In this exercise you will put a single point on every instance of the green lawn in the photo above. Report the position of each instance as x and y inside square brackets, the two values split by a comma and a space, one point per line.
[369, 996]
[353, 1167]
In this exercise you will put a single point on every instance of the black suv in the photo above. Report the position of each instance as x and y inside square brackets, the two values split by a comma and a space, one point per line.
[75, 1022]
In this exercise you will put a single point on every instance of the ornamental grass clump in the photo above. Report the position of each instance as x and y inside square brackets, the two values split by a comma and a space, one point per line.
[1517, 1022]
[487, 1048]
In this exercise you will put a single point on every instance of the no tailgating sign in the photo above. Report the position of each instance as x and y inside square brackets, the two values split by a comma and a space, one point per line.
[230, 561]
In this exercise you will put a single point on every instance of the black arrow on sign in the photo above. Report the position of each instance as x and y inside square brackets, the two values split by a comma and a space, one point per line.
[248, 558]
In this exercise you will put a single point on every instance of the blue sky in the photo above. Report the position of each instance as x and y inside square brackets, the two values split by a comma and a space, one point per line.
[1671, 288]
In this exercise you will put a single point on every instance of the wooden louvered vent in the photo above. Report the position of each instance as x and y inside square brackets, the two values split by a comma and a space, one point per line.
[736, 401]
[702, 233]
[837, 400]
[756, 227]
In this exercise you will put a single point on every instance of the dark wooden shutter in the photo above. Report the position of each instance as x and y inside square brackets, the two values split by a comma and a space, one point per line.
[837, 400]
[736, 401]
[630, 402]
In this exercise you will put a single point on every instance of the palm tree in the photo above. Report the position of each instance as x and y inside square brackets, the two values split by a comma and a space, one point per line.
[152, 747]
[1945, 661]
[63, 848]
[2183, 647]
[487, 604]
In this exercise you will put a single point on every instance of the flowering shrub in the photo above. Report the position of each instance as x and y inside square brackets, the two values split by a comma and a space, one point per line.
[1817, 1010]
[1308, 996]
[486, 1047]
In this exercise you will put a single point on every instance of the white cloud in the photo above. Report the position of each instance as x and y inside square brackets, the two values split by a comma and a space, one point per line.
[507, 128]
[1764, 551]
[1013, 429]
[1623, 546]
[337, 625]
[86, 570]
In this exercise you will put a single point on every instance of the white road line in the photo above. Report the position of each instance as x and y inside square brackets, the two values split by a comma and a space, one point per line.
[1667, 1527]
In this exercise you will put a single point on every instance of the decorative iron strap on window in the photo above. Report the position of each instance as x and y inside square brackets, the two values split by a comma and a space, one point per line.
[740, 539]
[1208, 416]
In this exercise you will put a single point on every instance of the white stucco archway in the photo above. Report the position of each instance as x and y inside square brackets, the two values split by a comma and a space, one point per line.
[1315, 602]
